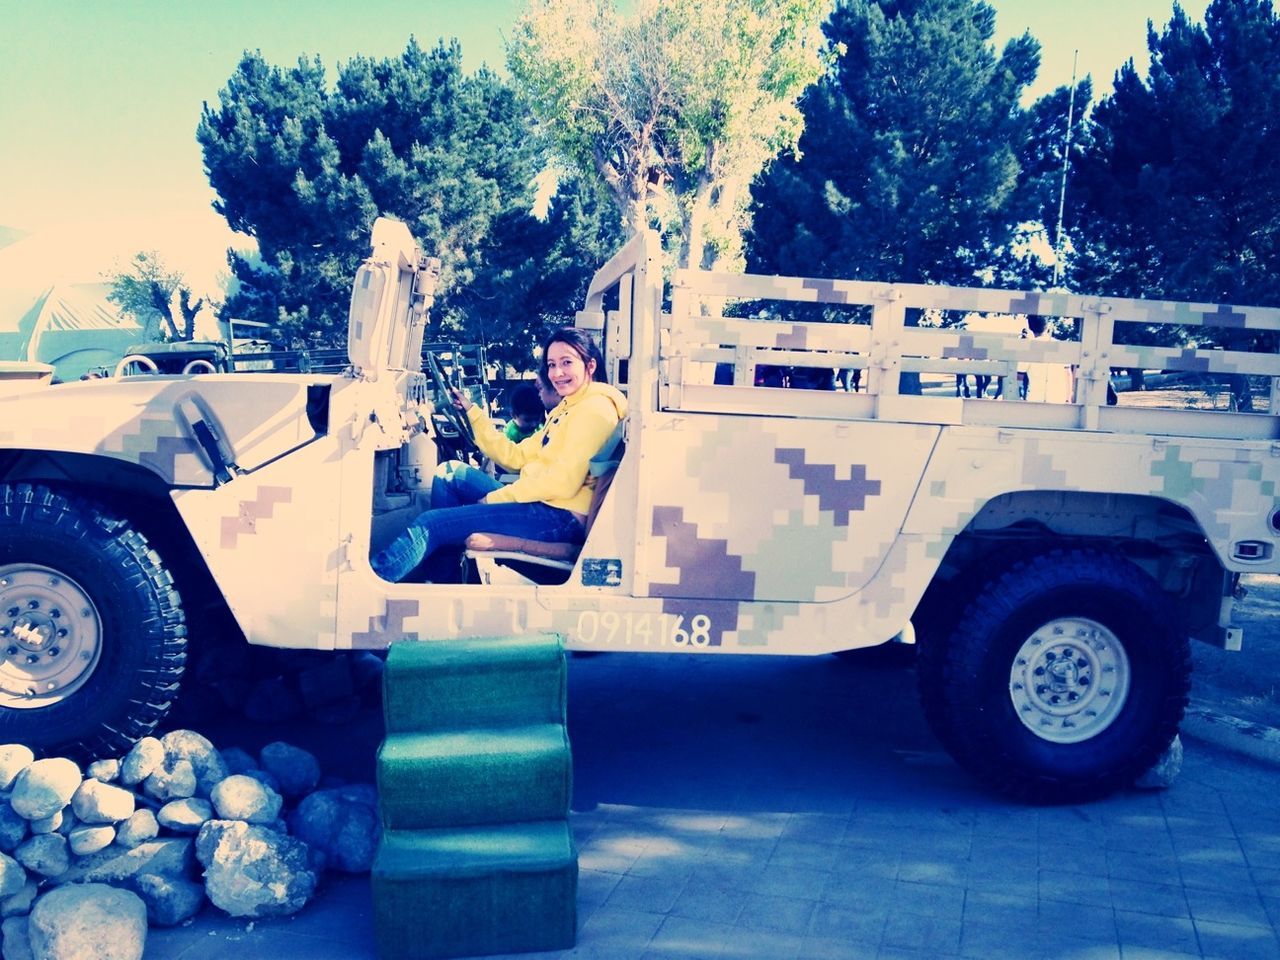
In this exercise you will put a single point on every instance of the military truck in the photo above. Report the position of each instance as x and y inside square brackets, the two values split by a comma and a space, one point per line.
[1052, 560]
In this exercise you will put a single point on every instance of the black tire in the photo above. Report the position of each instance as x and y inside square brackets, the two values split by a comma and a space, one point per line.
[1106, 672]
[123, 648]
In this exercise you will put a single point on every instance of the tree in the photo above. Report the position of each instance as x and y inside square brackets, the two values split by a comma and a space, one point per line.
[909, 163]
[305, 170]
[675, 105]
[155, 296]
[1178, 194]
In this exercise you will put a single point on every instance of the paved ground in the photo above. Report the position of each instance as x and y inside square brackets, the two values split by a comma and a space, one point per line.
[779, 807]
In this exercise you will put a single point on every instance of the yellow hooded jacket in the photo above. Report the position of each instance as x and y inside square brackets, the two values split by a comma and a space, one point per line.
[554, 462]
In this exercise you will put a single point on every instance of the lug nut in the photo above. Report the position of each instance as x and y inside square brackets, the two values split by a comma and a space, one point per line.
[33, 604]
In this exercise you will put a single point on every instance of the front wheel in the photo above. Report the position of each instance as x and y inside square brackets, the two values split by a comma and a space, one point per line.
[92, 634]
[1063, 680]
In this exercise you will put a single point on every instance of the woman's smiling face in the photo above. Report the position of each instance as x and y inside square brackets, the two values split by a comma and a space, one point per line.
[565, 369]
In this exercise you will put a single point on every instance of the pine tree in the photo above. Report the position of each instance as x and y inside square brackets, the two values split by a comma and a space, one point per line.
[305, 169]
[909, 162]
[1179, 193]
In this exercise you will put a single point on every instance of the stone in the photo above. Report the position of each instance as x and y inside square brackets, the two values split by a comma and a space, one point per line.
[200, 753]
[340, 711]
[13, 828]
[17, 942]
[12, 876]
[264, 778]
[98, 802]
[142, 760]
[238, 761]
[167, 856]
[325, 683]
[90, 839]
[271, 701]
[1165, 770]
[69, 822]
[366, 670]
[19, 904]
[103, 770]
[45, 854]
[139, 828]
[170, 901]
[251, 871]
[89, 921]
[50, 824]
[341, 826]
[184, 816]
[45, 787]
[14, 758]
[296, 770]
[172, 780]
[241, 797]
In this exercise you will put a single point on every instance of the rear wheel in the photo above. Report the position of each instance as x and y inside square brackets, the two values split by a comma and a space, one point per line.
[92, 636]
[1063, 680]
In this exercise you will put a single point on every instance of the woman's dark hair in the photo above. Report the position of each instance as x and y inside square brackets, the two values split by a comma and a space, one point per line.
[581, 343]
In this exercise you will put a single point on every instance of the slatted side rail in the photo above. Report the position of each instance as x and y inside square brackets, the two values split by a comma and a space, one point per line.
[696, 337]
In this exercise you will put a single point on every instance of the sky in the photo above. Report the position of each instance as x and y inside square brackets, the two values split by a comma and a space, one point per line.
[99, 103]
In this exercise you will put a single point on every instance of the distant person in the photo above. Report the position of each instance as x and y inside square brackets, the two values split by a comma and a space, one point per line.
[1047, 382]
[528, 413]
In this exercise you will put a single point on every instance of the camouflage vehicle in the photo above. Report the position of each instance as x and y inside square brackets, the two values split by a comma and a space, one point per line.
[1052, 559]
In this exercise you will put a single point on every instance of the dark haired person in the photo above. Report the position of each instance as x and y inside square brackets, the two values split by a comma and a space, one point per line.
[527, 415]
[551, 498]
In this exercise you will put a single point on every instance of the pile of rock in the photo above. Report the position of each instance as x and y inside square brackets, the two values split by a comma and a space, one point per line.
[88, 860]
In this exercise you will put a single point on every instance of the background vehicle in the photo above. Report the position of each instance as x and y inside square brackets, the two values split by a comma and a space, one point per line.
[1053, 558]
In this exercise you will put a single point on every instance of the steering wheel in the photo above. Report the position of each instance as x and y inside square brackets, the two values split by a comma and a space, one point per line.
[200, 366]
[443, 406]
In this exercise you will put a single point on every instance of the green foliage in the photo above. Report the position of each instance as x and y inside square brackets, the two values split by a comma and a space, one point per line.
[305, 170]
[155, 296]
[674, 104]
[909, 166]
[1178, 194]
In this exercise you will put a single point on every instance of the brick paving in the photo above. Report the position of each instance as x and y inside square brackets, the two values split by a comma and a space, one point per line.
[774, 807]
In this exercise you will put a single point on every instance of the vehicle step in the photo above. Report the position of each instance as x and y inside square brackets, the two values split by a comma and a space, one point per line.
[486, 682]
[475, 891]
[462, 778]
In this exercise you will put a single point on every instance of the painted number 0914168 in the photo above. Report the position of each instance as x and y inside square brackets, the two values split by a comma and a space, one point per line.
[644, 629]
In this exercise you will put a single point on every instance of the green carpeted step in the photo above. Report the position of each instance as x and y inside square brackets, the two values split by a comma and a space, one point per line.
[475, 891]
[466, 777]
[458, 684]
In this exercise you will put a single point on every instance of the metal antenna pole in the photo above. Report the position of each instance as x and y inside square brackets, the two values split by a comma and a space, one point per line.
[1066, 157]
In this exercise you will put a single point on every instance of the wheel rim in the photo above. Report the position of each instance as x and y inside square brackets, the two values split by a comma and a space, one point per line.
[50, 636]
[1069, 680]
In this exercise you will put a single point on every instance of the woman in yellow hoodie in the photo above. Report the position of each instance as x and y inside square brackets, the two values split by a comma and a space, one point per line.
[551, 498]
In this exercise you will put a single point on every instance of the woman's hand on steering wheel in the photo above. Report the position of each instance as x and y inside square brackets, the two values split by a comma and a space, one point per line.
[454, 411]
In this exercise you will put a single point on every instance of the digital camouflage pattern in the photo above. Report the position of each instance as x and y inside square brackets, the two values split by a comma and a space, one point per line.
[742, 518]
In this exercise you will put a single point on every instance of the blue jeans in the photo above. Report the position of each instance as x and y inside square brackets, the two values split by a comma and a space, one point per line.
[447, 526]
[457, 484]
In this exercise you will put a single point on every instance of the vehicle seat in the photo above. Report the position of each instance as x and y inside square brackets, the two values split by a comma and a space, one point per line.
[499, 557]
